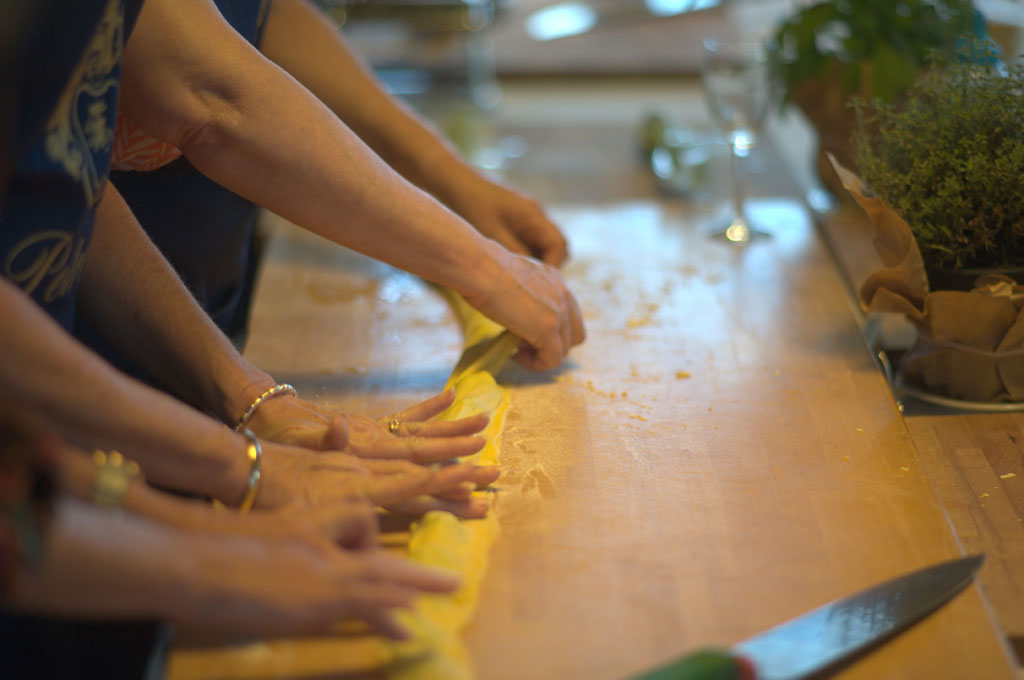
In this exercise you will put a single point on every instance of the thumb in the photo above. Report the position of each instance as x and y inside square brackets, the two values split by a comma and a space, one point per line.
[352, 525]
[335, 435]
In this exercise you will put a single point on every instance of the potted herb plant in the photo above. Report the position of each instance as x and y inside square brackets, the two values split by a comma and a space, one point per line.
[837, 49]
[942, 179]
[951, 162]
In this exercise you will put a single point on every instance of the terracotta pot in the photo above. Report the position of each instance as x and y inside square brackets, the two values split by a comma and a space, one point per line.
[826, 107]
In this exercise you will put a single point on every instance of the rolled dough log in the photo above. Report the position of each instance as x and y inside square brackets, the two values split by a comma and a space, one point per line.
[435, 651]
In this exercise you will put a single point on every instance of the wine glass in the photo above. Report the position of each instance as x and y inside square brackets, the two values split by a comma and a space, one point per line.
[737, 91]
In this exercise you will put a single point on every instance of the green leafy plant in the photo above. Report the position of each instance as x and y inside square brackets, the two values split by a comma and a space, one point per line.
[951, 161]
[874, 48]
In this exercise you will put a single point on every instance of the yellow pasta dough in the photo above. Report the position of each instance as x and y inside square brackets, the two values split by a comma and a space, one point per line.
[436, 650]
[444, 541]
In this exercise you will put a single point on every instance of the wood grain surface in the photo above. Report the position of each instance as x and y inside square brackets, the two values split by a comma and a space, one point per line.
[719, 456]
[669, 512]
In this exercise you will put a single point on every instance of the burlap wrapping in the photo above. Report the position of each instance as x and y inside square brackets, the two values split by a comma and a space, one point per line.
[970, 345]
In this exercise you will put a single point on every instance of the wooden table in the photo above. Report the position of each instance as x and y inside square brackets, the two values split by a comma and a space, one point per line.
[720, 455]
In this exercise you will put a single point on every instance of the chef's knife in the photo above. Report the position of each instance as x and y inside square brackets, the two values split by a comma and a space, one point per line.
[814, 641]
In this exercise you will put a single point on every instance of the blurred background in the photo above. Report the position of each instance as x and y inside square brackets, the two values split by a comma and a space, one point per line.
[502, 78]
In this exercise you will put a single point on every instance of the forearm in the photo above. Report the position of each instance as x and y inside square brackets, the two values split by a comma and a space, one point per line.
[132, 296]
[248, 125]
[96, 406]
[302, 40]
[78, 479]
[316, 173]
[102, 564]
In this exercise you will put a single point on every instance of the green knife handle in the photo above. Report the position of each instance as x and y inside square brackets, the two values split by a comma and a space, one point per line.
[705, 664]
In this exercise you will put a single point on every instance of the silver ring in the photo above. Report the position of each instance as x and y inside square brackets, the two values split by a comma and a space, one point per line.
[393, 425]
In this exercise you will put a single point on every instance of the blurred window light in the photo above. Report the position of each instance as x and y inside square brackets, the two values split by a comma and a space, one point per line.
[667, 8]
[573, 18]
[560, 21]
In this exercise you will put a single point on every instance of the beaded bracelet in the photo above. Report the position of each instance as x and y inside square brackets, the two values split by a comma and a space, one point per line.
[275, 391]
[114, 474]
[254, 452]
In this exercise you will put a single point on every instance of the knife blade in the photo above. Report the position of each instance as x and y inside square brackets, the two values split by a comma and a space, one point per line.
[812, 642]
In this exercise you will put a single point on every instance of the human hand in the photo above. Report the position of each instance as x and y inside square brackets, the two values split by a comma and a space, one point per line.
[508, 217]
[264, 588]
[289, 420]
[304, 479]
[450, 490]
[299, 477]
[531, 300]
[349, 522]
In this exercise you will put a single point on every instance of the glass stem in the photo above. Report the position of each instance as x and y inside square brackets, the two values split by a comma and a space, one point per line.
[738, 194]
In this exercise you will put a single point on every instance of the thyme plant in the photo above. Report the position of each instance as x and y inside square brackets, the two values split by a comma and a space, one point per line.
[951, 161]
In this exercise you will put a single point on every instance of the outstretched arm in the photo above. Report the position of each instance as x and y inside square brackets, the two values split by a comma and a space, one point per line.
[102, 564]
[193, 82]
[95, 406]
[129, 291]
[132, 296]
[301, 40]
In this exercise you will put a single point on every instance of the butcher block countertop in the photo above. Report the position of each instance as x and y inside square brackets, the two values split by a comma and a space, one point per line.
[720, 455]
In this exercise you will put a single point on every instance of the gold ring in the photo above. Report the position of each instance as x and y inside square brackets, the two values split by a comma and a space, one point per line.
[393, 424]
